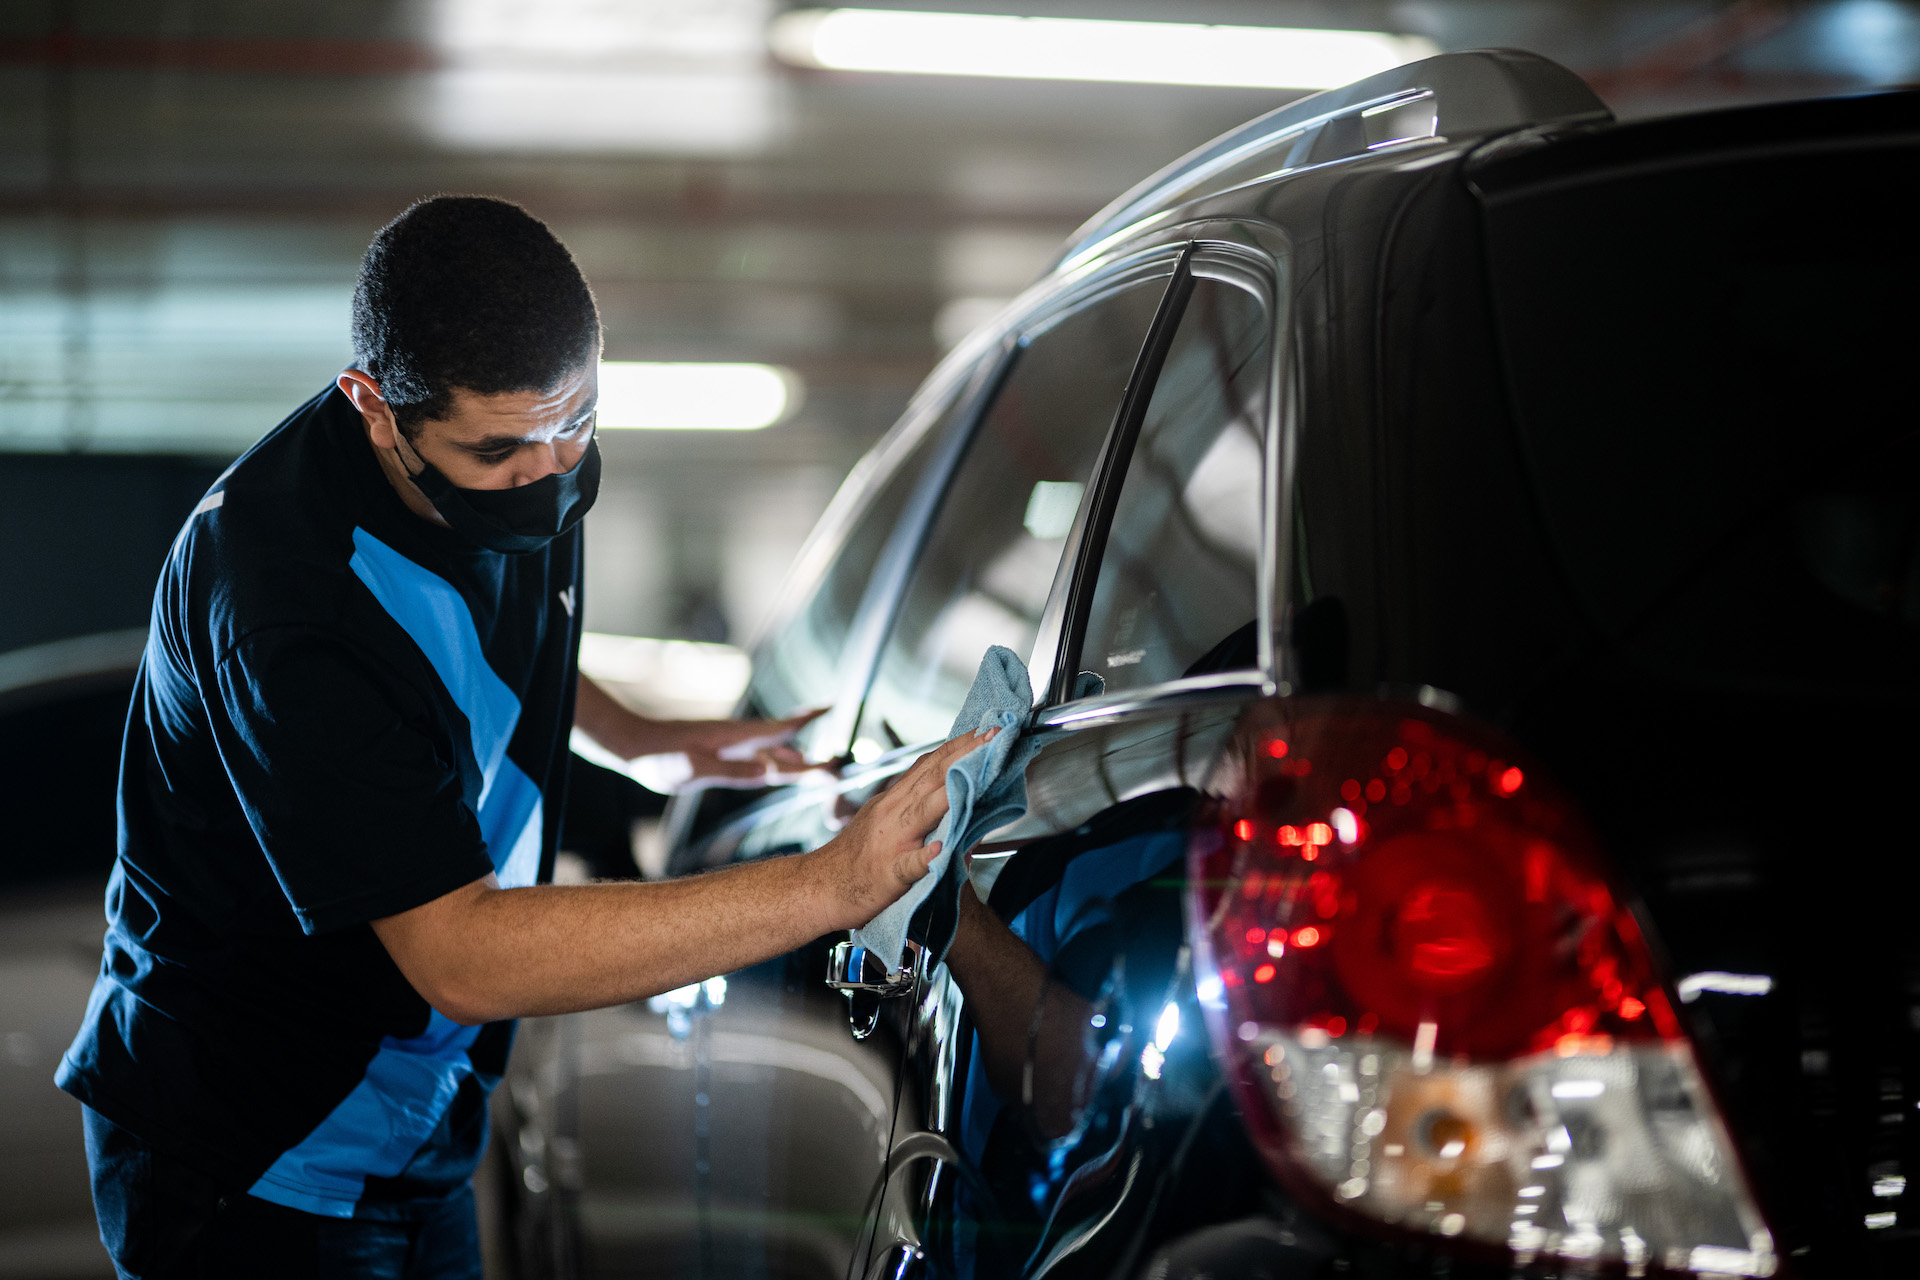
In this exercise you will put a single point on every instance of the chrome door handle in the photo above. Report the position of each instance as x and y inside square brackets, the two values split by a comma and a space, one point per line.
[847, 971]
[901, 1261]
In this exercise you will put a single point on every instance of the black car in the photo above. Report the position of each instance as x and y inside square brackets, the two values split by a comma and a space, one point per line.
[1493, 529]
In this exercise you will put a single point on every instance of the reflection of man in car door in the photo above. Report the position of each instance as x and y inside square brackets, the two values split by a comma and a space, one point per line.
[1072, 958]
[341, 788]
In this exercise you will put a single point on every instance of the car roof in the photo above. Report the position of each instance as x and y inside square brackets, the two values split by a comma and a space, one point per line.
[1777, 128]
[1474, 95]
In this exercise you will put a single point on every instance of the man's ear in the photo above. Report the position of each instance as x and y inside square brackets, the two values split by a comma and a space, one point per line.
[361, 388]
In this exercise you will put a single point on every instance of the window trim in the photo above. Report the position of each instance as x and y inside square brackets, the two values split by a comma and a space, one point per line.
[1258, 273]
[1070, 294]
[1095, 518]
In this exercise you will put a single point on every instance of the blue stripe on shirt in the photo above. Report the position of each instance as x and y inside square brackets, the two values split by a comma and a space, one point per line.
[379, 1127]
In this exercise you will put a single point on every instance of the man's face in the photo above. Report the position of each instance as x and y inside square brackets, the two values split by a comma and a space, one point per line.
[510, 438]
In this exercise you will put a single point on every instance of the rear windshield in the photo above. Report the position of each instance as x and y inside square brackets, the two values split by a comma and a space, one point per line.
[1713, 371]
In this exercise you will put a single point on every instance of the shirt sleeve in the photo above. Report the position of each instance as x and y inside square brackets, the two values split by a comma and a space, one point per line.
[349, 778]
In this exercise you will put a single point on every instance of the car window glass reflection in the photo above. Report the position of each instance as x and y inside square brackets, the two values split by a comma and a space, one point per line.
[989, 561]
[1177, 579]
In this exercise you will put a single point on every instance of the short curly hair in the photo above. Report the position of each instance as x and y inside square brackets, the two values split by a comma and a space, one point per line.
[473, 292]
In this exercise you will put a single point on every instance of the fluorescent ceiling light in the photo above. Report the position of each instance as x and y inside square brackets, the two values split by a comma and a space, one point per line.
[687, 29]
[966, 44]
[675, 77]
[543, 109]
[1051, 508]
[695, 397]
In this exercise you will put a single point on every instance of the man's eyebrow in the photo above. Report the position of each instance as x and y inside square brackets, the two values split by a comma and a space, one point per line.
[493, 444]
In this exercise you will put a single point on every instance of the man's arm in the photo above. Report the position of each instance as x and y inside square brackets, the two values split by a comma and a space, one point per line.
[1004, 983]
[483, 953]
[629, 735]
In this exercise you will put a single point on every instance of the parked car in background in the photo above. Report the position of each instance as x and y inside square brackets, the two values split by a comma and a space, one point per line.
[1494, 531]
[62, 705]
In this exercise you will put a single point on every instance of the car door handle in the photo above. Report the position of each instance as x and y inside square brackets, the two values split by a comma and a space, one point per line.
[849, 965]
[901, 1261]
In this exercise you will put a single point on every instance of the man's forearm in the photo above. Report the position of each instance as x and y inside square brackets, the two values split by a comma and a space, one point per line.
[482, 952]
[726, 752]
[625, 733]
[1005, 983]
[562, 948]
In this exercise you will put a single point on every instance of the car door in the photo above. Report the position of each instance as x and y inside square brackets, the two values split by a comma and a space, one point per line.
[793, 1087]
[620, 1106]
[1034, 1138]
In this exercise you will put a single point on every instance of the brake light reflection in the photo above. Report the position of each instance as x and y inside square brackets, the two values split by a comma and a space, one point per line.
[1429, 989]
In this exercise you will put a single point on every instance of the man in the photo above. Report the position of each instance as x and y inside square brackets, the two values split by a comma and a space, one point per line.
[341, 787]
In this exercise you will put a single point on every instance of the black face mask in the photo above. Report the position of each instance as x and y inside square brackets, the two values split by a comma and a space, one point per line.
[517, 520]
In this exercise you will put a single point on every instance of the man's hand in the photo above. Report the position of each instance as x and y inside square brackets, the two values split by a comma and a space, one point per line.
[881, 852]
[743, 753]
[723, 753]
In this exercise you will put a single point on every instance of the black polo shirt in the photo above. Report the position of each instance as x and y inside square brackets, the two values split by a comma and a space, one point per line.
[343, 712]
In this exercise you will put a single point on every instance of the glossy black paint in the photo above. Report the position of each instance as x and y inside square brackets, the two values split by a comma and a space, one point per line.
[1746, 776]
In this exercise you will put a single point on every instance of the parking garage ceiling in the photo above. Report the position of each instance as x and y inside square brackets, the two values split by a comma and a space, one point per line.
[185, 186]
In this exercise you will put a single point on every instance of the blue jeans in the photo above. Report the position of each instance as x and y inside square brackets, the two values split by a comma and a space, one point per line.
[161, 1220]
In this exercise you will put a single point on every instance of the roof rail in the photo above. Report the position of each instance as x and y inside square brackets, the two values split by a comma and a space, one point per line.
[1476, 93]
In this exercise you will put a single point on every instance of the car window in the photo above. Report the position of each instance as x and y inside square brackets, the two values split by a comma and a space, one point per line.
[1177, 582]
[800, 664]
[805, 660]
[988, 564]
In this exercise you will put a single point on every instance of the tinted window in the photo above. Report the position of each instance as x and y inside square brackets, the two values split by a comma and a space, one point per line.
[799, 666]
[1177, 578]
[989, 560]
[1710, 368]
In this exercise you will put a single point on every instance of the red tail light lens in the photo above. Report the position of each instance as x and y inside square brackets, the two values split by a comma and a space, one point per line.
[1434, 1009]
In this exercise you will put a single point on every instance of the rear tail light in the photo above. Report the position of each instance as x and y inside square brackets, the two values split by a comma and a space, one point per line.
[1435, 1011]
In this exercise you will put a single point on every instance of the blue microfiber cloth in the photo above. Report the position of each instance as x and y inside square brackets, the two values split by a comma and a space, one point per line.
[986, 789]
